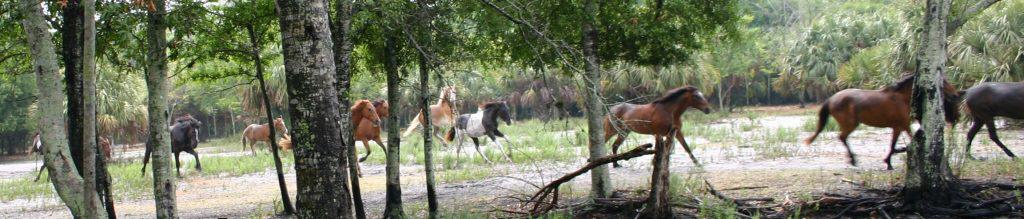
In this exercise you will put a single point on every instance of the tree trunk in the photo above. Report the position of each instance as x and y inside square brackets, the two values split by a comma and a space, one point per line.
[164, 181]
[802, 96]
[601, 183]
[929, 180]
[322, 176]
[393, 197]
[340, 31]
[658, 200]
[428, 154]
[257, 59]
[63, 174]
[90, 151]
[425, 55]
[71, 44]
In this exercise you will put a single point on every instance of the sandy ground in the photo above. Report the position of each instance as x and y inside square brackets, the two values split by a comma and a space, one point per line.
[819, 167]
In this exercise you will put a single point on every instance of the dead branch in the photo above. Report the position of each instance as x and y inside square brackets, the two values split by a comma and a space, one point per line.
[537, 204]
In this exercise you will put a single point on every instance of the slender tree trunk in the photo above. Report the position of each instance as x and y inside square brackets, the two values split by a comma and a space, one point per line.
[425, 51]
[340, 31]
[658, 199]
[601, 183]
[393, 196]
[71, 44]
[929, 180]
[63, 174]
[164, 181]
[322, 176]
[802, 96]
[257, 59]
[89, 150]
[428, 144]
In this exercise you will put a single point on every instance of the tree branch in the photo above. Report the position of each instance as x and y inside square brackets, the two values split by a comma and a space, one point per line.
[958, 21]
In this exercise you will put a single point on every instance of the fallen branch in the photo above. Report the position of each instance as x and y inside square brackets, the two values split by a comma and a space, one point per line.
[537, 204]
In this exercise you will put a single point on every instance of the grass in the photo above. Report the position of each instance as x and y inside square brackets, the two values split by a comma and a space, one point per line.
[129, 183]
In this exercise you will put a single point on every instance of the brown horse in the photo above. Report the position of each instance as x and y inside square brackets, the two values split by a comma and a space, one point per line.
[985, 102]
[261, 133]
[367, 130]
[657, 118]
[442, 114]
[885, 108]
[37, 147]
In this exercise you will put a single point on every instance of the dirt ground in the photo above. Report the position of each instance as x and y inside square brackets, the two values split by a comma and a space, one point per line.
[820, 167]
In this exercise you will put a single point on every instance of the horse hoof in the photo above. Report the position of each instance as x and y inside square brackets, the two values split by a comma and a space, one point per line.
[362, 159]
[615, 165]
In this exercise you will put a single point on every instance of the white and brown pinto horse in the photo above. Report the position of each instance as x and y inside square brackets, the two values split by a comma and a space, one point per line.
[261, 133]
[442, 114]
[482, 123]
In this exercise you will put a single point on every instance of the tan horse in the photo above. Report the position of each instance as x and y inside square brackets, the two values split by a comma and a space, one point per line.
[261, 133]
[657, 118]
[442, 114]
[369, 129]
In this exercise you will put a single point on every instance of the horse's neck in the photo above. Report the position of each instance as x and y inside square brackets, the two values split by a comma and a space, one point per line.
[674, 108]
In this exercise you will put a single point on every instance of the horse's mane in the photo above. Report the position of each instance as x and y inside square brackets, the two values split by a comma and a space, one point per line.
[361, 102]
[491, 104]
[901, 84]
[674, 94]
[379, 103]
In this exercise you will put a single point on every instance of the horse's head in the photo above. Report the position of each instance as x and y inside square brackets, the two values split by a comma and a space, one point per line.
[279, 125]
[951, 102]
[686, 97]
[499, 109]
[382, 108]
[366, 110]
[448, 95]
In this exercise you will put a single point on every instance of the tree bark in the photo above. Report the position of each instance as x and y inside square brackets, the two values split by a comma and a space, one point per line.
[71, 44]
[63, 174]
[89, 147]
[164, 181]
[929, 180]
[257, 59]
[393, 196]
[321, 171]
[600, 184]
[658, 200]
[342, 39]
[425, 56]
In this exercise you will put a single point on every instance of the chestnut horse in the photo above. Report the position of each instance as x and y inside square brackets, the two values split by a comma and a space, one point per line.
[442, 114]
[657, 118]
[885, 108]
[985, 102]
[261, 133]
[367, 128]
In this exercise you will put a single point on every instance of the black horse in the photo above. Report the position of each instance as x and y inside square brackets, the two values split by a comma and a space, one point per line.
[986, 101]
[482, 123]
[184, 137]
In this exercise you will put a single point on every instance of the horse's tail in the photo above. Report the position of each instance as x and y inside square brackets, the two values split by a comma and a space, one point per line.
[451, 135]
[145, 158]
[412, 125]
[822, 120]
[244, 134]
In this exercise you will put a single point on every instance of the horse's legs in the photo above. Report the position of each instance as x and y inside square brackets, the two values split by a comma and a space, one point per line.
[508, 154]
[500, 147]
[381, 144]
[991, 126]
[892, 147]
[366, 145]
[682, 141]
[177, 162]
[845, 131]
[199, 166]
[476, 142]
[621, 137]
[40, 172]
[970, 136]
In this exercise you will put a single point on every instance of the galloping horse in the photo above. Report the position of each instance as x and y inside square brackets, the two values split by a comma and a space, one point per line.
[184, 137]
[37, 147]
[885, 108]
[367, 119]
[482, 123]
[989, 100]
[261, 133]
[656, 118]
[442, 114]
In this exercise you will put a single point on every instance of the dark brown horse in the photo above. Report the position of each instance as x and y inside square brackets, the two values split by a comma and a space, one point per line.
[986, 101]
[885, 108]
[367, 130]
[657, 118]
[184, 137]
[261, 133]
